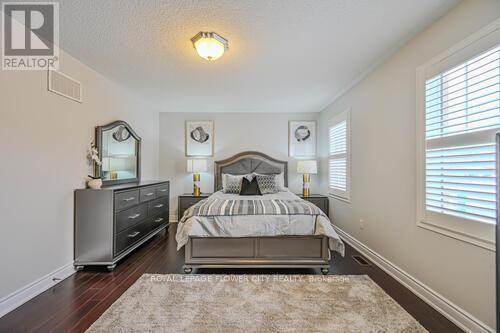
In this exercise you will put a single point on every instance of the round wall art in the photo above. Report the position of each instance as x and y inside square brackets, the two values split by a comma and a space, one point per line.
[302, 133]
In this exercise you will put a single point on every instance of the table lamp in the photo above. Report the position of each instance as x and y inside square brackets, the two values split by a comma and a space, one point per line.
[307, 168]
[196, 167]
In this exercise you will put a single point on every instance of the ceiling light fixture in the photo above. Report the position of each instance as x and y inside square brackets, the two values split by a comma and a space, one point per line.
[209, 45]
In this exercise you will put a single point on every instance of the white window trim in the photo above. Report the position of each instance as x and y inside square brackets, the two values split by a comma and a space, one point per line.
[473, 232]
[341, 195]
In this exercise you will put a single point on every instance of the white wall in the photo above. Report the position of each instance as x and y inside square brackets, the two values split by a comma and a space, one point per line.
[43, 140]
[234, 133]
[383, 191]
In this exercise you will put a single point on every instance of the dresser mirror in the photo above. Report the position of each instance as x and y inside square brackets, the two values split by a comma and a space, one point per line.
[120, 152]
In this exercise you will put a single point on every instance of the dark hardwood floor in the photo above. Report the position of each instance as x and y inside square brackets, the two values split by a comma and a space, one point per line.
[75, 303]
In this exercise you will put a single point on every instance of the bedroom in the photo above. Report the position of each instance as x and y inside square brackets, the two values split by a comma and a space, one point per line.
[289, 70]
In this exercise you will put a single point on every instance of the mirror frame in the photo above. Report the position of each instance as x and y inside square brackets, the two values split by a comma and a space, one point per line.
[98, 139]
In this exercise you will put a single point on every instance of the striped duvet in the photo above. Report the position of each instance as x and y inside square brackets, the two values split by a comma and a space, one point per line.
[228, 207]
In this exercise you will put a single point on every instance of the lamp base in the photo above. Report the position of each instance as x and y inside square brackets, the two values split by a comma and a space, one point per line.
[306, 190]
[196, 185]
[196, 192]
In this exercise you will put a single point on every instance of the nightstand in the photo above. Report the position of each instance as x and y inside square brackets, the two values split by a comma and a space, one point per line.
[319, 200]
[186, 200]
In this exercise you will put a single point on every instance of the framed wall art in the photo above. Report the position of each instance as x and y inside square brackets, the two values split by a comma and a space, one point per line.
[302, 138]
[199, 138]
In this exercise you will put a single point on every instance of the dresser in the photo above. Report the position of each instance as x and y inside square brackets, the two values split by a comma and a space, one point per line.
[187, 200]
[113, 221]
[319, 200]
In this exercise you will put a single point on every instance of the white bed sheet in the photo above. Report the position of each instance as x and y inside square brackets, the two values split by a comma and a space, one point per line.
[258, 225]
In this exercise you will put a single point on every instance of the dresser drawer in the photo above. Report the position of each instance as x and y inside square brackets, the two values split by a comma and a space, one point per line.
[188, 202]
[158, 220]
[155, 222]
[128, 237]
[158, 206]
[147, 194]
[135, 233]
[131, 216]
[126, 199]
[162, 190]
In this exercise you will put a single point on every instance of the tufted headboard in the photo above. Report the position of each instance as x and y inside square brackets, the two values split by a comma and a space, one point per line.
[248, 162]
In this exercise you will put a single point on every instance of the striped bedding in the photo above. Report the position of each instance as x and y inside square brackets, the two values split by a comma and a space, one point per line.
[233, 215]
[227, 207]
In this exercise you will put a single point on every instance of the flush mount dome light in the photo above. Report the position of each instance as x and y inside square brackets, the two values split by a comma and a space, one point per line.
[209, 45]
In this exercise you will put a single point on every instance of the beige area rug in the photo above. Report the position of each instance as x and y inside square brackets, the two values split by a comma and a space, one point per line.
[255, 303]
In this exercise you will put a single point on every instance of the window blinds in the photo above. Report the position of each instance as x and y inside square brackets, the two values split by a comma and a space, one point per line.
[338, 163]
[464, 98]
[462, 105]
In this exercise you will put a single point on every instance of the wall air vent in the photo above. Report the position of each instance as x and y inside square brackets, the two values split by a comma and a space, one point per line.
[64, 85]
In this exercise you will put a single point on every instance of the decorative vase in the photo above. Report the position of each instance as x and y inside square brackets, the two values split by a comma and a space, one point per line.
[94, 183]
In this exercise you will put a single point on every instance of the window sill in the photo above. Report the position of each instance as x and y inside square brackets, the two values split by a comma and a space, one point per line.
[333, 196]
[464, 237]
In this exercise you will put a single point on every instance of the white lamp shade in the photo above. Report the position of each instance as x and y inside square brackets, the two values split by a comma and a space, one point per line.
[197, 166]
[310, 167]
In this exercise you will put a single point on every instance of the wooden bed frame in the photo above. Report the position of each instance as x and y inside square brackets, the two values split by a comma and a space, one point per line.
[255, 252]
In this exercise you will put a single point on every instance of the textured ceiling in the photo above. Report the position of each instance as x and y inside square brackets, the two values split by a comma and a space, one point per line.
[284, 56]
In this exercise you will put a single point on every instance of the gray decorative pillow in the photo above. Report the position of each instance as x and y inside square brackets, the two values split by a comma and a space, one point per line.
[267, 184]
[248, 176]
[232, 184]
[280, 180]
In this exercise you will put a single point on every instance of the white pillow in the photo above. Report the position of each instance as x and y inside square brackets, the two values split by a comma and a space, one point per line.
[280, 181]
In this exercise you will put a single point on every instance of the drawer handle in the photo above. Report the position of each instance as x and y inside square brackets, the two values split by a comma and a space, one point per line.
[149, 194]
[129, 199]
[163, 190]
[159, 220]
[159, 206]
[133, 217]
[134, 234]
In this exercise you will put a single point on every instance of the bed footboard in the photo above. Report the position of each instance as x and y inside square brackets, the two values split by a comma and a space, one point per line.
[257, 252]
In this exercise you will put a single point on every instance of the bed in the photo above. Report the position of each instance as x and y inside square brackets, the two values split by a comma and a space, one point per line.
[300, 238]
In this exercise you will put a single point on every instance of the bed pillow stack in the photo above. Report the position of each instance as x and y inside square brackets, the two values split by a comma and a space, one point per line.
[253, 183]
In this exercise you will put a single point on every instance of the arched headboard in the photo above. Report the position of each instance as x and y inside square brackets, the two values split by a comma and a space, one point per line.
[248, 162]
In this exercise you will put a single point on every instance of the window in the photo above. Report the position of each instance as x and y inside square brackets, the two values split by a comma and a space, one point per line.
[460, 116]
[339, 155]
[461, 109]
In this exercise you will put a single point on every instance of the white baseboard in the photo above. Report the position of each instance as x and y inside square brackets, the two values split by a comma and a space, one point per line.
[454, 313]
[21, 296]
[172, 218]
